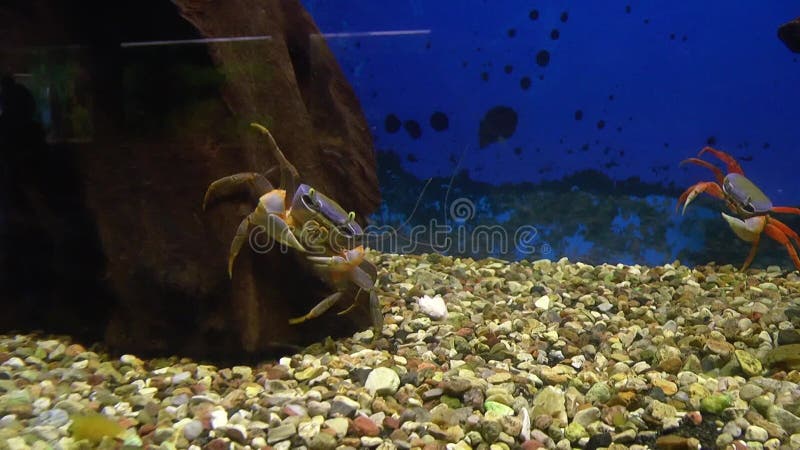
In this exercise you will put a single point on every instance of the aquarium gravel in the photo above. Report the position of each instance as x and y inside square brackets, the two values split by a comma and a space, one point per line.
[525, 355]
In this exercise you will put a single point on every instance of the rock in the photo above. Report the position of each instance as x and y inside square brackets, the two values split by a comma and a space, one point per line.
[127, 190]
[433, 307]
[382, 381]
[281, 433]
[749, 364]
[754, 433]
[575, 431]
[193, 430]
[715, 403]
[789, 33]
[550, 401]
[364, 426]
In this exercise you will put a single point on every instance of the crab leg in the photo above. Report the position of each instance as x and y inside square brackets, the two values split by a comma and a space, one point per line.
[785, 210]
[289, 174]
[717, 172]
[319, 309]
[752, 253]
[730, 162]
[777, 234]
[709, 187]
[785, 229]
[253, 182]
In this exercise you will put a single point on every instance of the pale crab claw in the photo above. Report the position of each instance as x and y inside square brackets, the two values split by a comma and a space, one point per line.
[748, 230]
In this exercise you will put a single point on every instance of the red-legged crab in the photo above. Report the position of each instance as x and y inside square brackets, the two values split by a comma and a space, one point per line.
[298, 216]
[747, 202]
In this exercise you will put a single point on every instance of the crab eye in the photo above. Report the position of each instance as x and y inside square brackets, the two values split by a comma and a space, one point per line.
[310, 200]
[351, 216]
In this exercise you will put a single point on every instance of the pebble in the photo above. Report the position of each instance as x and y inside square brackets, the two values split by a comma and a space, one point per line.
[534, 354]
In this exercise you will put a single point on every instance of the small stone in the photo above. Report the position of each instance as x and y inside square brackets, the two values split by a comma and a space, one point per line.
[755, 433]
[338, 425]
[364, 426]
[575, 431]
[382, 381]
[343, 406]
[498, 409]
[550, 401]
[750, 364]
[667, 387]
[192, 430]
[715, 403]
[322, 441]
[434, 307]
[281, 433]
[587, 416]
[543, 302]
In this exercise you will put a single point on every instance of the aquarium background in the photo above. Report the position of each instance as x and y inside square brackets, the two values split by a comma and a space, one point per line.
[570, 118]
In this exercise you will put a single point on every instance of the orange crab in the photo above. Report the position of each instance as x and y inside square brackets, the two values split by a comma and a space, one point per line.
[745, 200]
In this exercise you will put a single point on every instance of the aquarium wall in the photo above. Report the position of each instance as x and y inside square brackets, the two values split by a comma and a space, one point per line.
[572, 118]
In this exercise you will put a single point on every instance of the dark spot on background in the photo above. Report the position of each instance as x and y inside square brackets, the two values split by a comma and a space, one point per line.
[517, 151]
[412, 157]
[498, 123]
[534, 14]
[541, 77]
[439, 121]
[627, 9]
[413, 129]
[508, 68]
[578, 115]
[543, 58]
[619, 129]
[392, 123]
[428, 45]
[672, 36]
[564, 16]
[646, 21]
[611, 97]
[525, 83]
[684, 38]
[765, 146]
[464, 64]
[666, 144]
[357, 44]
[485, 76]
[585, 147]
[511, 32]
[601, 124]
[554, 34]
[711, 140]
[746, 158]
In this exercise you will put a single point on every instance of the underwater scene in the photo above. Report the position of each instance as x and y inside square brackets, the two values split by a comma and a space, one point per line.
[436, 225]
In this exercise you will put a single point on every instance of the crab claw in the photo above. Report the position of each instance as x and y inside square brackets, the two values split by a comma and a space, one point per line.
[748, 230]
[709, 187]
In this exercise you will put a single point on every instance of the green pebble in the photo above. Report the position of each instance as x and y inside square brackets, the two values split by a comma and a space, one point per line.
[575, 431]
[498, 408]
[452, 402]
[715, 403]
[598, 393]
[749, 364]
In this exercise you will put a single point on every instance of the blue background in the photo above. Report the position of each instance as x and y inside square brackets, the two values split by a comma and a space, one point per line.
[665, 77]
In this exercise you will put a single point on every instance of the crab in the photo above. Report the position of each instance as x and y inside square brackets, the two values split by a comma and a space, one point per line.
[750, 206]
[297, 216]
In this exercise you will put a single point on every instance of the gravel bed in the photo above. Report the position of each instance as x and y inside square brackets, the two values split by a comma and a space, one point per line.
[473, 355]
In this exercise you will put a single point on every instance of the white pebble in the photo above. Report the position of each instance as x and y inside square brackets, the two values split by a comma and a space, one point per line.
[542, 302]
[433, 307]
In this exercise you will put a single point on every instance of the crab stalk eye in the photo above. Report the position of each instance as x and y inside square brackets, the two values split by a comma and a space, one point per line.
[351, 216]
